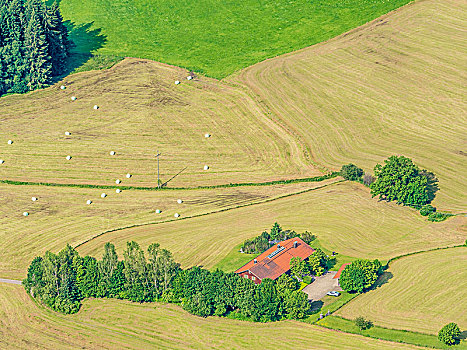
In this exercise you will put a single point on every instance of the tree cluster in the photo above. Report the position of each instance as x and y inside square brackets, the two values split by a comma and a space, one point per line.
[62, 280]
[360, 275]
[34, 45]
[264, 241]
[206, 293]
[315, 265]
[399, 179]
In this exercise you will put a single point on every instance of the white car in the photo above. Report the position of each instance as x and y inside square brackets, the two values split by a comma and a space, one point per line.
[333, 293]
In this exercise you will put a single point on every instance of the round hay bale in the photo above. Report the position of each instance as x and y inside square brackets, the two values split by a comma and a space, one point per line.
[206, 167]
[158, 211]
[177, 215]
[112, 153]
[2, 161]
[25, 213]
[128, 176]
[34, 199]
[10, 142]
[118, 181]
[118, 190]
[68, 157]
[189, 77]
[63, 87]
[177, 82]
[73, 98]
[103, 195]
[179, 201]
[67, 133]
[207, 135]
[88, 201]
[96, 107]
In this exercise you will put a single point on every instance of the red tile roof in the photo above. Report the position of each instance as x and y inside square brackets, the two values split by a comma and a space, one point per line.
[338, 274]
[278, 264]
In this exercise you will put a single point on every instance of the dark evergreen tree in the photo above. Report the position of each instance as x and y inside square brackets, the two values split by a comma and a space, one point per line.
[38, 62]
[56, 34]
[34, 45]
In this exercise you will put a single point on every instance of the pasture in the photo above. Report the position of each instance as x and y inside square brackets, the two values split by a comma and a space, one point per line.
[61, 215]
[213, 37]
[343, 216]
[393, 86]
[426, 292]
[141, 111]
[112, 324]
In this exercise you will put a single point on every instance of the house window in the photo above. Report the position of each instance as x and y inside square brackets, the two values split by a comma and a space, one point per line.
[246, 276]
[253, 278]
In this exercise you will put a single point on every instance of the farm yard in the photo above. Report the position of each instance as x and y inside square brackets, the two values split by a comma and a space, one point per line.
[263, 145]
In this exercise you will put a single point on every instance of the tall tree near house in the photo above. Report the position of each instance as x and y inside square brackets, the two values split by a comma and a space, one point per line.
[168, 267]
[109, 262]
[136, 273]
[153, 267]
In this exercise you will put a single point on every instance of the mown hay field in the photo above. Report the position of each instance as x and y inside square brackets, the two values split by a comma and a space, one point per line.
[141, 111]
[426, 292]
[212, 36]
[61, 215]
[112, 324]
[343, 216]
[394, 86]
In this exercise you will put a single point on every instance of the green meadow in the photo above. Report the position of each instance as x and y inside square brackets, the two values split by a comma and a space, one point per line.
[213, 37]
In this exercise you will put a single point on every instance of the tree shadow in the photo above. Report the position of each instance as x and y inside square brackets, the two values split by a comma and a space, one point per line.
[382, 280]
[85, 40]
[432, 182]
[463, 335]
[316, 306]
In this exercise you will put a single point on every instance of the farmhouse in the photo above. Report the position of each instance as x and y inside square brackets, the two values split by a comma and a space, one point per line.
[275, 261]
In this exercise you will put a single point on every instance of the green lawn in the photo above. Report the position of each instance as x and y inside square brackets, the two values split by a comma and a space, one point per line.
[214, 37]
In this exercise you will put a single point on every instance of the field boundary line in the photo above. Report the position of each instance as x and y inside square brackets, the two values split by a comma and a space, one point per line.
[384, 339]
[320, 178]
[205, 214]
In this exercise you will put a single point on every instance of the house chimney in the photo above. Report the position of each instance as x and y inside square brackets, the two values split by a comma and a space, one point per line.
[278, 246]
[255, 261]
[295, 244]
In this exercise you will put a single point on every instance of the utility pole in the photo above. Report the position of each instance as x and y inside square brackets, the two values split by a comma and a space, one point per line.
[158, 179]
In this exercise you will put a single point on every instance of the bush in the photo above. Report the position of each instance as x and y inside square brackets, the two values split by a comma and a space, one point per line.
[438, 217]
[351, 172]
[449, 334]
[427, 210]
[362, 323]
[307, 279]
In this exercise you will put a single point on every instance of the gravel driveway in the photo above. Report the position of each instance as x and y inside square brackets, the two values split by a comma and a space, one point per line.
[322, 285]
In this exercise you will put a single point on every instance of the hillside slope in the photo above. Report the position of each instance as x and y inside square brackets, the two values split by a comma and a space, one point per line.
[394, 86]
